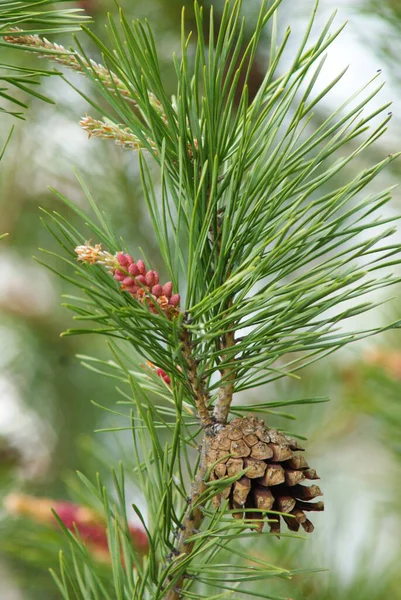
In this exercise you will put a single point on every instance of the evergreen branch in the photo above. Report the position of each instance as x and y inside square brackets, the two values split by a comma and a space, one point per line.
[33, 14]
[67, 58]
[271, 257]
[73, 60]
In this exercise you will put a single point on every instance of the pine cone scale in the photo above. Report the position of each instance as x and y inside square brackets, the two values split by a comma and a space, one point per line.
[308, 526]
[280, 453]
[240, 449]
[251, 439]
[297, 462]
[310, 506]
[261, 451]
[299, 515]
[311, 474]
[293, 477]
[292, 523]
[285, 504]
[306, 493]
[241, 490]
[274, 475]
[234, 434]
[234, 466]
[256, 468]
[264, 499]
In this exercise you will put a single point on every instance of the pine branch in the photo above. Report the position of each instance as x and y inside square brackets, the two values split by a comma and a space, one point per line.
[270, 253]
[45, 15]
[32, 13]
[69, 59]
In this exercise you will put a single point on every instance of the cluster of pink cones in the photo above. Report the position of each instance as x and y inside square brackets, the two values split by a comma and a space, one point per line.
[144, 285]
[135, 279]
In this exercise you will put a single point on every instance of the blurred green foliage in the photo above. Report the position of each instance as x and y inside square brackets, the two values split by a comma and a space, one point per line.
[354, 441]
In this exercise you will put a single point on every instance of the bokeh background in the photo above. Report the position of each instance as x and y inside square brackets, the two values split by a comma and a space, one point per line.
[47, 421]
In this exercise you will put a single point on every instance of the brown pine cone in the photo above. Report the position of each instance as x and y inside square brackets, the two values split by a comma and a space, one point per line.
[273, 476]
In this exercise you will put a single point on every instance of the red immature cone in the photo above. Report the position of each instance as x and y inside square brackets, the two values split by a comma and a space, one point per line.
[163, 375]
[123, 259]
[140, 279]
[127, 281]
[150, 278]
[119, 275]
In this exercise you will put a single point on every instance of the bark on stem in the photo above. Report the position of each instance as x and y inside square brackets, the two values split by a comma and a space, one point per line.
[226, 391]
[223, 402]
[192, 519]
[193, 516]
[201, 396]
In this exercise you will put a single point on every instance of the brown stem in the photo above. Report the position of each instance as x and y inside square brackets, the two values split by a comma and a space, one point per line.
[192, 519]
[201, 396]
[226, 391]
[193, 515]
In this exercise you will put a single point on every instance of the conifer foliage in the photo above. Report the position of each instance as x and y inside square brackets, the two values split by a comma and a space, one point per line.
[269, 245]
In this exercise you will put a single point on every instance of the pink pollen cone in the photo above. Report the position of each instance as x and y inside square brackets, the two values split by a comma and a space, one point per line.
[122, 259]
[157, 290]
[128, 281]
[141, 267]
[140, 279]
[133, 269]
[174, 300]
[150, 278]
[119, 275]
[164, 376]
[90, 525]
[167, 289]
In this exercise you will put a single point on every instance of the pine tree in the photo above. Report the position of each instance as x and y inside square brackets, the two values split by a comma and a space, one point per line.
[265, 263]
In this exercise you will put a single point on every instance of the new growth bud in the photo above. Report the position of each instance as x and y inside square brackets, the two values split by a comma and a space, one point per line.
[122, 136]
[95, 254]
